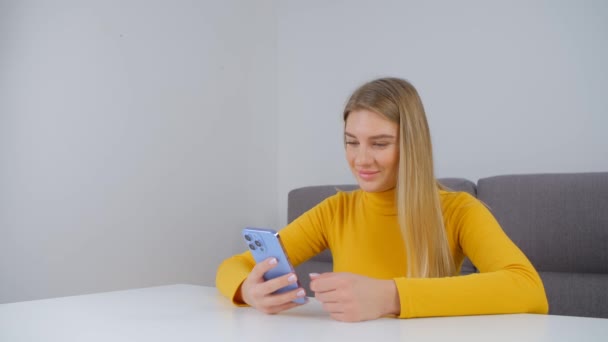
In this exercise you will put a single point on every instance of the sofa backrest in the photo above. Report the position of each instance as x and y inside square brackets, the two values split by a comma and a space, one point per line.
[560, 221]
[301, 200]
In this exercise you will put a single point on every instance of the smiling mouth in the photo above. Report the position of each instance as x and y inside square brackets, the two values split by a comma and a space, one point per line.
[367, 175]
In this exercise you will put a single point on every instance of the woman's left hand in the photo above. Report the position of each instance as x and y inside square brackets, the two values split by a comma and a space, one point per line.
[351, 298]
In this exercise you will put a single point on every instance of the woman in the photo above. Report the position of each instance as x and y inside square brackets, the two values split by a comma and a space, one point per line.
[399, 241]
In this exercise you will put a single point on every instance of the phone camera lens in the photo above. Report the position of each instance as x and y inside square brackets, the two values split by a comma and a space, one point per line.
[252, 246]
[247, 237]
[258, 243]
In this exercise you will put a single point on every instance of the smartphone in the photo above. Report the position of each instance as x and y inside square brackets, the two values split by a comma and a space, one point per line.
[266, 243]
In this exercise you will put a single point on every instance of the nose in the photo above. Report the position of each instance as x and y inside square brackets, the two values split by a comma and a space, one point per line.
[364, 156]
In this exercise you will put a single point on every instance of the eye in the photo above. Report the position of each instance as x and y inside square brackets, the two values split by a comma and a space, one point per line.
[351, 142]
[380, 144]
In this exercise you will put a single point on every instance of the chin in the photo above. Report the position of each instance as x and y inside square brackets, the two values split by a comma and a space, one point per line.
[367, 187]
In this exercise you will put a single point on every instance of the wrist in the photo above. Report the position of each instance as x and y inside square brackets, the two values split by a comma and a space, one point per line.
[238, 296]
[391, 298]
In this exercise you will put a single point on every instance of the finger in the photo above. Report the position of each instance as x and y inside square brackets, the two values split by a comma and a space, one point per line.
[272, 285]
[333, 308]
[327, 296]
[281, 307]
[323, 283]
[321, 275]
[282, 298]
[260, 268]
[342, 317]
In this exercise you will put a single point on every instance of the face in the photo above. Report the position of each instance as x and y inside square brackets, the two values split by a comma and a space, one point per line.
[372, 150]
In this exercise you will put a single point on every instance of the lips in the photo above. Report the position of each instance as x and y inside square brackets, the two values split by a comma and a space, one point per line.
[367, 175]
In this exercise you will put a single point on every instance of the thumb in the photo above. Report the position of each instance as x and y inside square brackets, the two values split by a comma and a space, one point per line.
[314, 276]
[321, 282]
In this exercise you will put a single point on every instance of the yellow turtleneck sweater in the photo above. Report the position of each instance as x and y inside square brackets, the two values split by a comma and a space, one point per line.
[362, 232]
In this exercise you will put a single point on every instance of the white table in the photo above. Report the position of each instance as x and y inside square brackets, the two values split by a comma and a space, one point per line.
[198, 313]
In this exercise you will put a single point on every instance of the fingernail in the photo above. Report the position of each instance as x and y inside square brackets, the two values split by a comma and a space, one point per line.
[291, 278]
[313, 275]
[272, 261]
[300, 293]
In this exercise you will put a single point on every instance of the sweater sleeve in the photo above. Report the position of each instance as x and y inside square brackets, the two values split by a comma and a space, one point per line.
[507, 282]
[302, 239]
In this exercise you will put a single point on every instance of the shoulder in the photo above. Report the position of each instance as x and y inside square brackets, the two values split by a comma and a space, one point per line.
[461, 208]
[337, 201]
[456, 198]
[325, 209]
[457, 201]
[344, 196]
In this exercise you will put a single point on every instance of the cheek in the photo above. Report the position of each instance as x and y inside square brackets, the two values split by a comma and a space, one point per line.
[391, 160]
[350, 156]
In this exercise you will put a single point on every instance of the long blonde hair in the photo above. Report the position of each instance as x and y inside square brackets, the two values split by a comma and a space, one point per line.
[417, 196]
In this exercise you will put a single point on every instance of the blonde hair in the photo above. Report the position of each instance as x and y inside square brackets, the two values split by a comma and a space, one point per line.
[417, 192]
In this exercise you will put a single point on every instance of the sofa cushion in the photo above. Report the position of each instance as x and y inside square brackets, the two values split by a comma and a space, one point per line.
[576, 294]
[560, 221]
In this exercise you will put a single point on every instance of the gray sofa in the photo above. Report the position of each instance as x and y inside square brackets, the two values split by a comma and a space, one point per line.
[560, 221]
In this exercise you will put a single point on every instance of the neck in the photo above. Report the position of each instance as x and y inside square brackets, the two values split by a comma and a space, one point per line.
[384, 202]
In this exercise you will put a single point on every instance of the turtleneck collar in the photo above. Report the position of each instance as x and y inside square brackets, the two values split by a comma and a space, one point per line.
[384, 203]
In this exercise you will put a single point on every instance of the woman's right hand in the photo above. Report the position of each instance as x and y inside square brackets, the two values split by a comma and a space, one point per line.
[258, 292]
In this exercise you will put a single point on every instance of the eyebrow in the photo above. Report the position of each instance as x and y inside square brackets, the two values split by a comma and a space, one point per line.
[379, 136]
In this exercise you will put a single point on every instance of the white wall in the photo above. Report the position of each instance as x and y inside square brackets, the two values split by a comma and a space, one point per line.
[136, 139]
[509, 87]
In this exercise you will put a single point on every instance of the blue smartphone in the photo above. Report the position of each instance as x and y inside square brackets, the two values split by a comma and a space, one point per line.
[266, 243]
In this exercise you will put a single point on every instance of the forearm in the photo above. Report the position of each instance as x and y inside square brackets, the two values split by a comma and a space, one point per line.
[499, 292]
